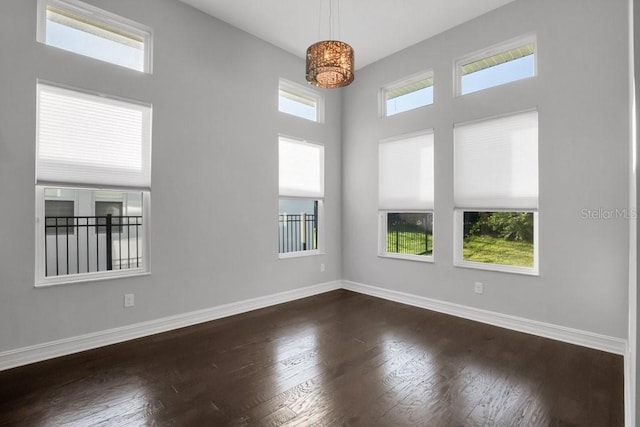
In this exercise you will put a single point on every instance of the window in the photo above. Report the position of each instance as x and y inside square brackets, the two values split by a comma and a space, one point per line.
[496, 193]
[300, 101]
[83, 141]
[406, 196]
[509, 62]
[86, 30]
[301, 197]
[408, 94]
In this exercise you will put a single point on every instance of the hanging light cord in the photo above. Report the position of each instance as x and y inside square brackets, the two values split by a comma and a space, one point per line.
[338, 20]
[320, 21]
[331, 20]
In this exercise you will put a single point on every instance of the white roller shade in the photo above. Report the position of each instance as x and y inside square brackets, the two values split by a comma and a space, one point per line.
[301, 169]
[496, 163]
[406, 173]
[92, 140]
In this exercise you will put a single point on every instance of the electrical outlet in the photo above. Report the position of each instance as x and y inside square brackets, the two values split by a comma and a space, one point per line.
[322, 268]
[478, 288]
[129, 300]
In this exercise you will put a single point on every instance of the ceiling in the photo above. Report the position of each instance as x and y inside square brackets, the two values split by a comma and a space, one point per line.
[374, 28]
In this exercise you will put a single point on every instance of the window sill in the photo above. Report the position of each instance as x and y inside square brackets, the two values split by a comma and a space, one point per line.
[419, 258]
[501, 268]
[83, 278]
[299, 254]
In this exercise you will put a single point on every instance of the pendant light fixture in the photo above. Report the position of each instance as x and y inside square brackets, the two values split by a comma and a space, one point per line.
[330, 62]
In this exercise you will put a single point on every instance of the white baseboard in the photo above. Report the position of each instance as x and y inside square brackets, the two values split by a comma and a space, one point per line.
[547, 330]
[23, 356]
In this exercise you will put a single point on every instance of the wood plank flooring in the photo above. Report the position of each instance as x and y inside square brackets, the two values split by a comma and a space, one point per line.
[335, 359]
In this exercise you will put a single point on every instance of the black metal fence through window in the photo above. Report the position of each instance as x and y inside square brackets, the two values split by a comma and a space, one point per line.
[298, 232]
[86, 244]
[410, 233]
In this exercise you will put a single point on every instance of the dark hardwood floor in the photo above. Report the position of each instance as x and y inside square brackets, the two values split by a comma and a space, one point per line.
[335, 359]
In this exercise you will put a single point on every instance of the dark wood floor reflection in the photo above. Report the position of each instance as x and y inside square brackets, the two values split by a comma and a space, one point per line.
[335, 359]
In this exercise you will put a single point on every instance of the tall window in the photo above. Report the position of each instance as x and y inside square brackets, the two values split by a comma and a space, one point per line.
[86, 30]
[406, 196]
[87, 141]
[301, 183]
[496, 193]
[505, 63]
[407, 94]
[300, 101]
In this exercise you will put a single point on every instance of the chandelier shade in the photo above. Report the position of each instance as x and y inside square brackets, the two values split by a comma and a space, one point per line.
[330, 64]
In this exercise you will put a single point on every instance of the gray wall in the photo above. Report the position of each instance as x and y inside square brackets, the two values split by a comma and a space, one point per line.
[581, 94]
[215, 172]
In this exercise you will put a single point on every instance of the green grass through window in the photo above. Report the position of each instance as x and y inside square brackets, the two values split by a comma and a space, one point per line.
[496, 250]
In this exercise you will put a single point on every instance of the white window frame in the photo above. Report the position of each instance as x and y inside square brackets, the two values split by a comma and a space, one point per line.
[99, 16]
[44, 281]
[406, 81]
[295, 90]
[491, 51]
[41, 280]
[320, 250]
[458, 257]
[383, 213]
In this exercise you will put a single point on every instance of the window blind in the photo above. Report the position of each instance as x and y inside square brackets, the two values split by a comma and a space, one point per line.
[92, 140]
[496, 163]
[406, 173]
[301, 169]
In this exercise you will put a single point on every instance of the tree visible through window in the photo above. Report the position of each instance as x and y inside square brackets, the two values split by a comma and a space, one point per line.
[499, 238]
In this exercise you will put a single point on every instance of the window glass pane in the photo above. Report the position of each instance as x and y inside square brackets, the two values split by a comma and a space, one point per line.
[408, 96]
[410, 233]
[505, 238]
[298, 106]
[505, 67]
[300, 101]
[298, 225]
[507, 72]
[85, 35]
